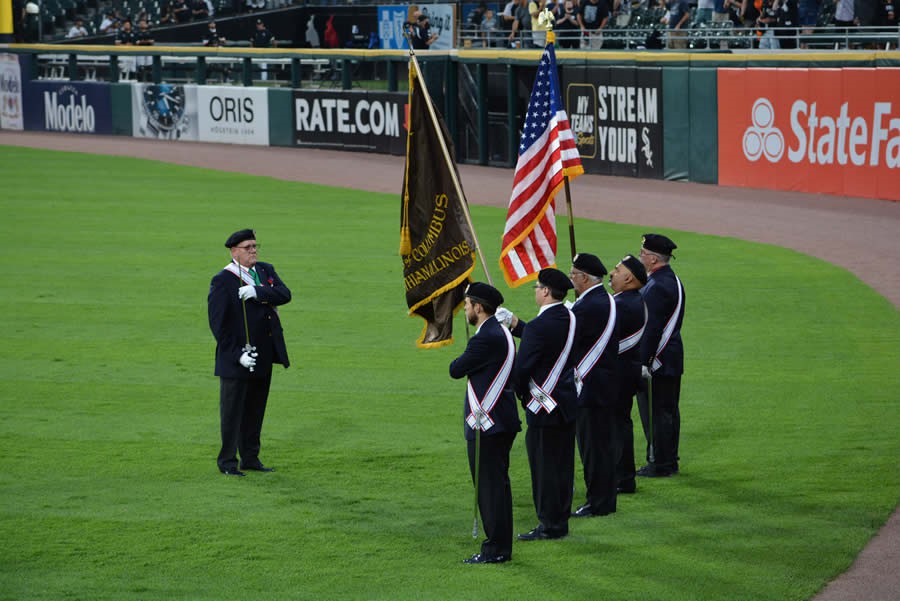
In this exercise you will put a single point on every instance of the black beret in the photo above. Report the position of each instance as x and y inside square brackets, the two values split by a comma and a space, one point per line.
[635, 267]
[555, 279]
[238, 237]
[484, 294]
[658, 243]
[589, 264]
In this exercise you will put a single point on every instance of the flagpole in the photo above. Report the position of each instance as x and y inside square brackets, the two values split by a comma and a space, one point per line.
[446, 153]
[571, 218]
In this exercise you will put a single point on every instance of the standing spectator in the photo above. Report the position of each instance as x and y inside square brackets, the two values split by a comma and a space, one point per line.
[567, 27]
[622, 12]
[679, 20]
[544, 382]
[490, 30]
[596, 354]
[423, 38]
[593, 18]
[212, 37]
[508, 17]
[768, 18]
[662, 357]
[808, 12]
[166, 17]
[705, 11]
[243, 318]
[126, 36]
[263, 38]
[888, 20]
[786, 11]
[199, 10]
[77, 30]
[490, 407]
[143, 37]
[255, 5]
[181, 12]
[538, 33]
[843, 16]
[720, 11]
[626, 281]
[521, 25]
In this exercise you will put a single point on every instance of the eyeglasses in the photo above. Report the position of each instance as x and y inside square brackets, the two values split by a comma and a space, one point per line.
[249, 247]
[537, 286]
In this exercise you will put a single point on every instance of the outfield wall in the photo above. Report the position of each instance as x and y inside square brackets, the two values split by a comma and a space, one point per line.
[828, 127]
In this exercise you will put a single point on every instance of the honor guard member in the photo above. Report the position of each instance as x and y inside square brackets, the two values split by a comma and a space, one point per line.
[490, 408]
[545, 384]
[597, 382]
[662, 357]
[626, 281]
[244, 320]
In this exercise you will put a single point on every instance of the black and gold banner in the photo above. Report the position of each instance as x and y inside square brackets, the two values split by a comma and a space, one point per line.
[436, 244]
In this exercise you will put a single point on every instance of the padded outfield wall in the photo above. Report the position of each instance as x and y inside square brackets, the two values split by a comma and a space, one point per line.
[813, 122]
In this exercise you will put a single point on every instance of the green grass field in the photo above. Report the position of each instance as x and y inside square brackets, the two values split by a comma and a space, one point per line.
[109, 410]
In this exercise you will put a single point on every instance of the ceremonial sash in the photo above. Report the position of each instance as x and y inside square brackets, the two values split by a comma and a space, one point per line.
[626, 344]
[590, 358]
[668, 330]
[479, 416]
[242, 273]
[541, 396]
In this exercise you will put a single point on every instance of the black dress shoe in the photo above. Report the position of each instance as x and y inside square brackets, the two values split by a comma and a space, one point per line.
[232, 471]
[479, 558]
[586, 511]
[651, 471]
[258, 468]
[540, 534]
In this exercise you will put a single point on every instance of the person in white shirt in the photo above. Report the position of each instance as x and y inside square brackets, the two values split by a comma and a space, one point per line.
[77, 30]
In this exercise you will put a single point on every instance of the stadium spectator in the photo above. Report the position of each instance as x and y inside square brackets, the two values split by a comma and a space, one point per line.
[212, 37]
[787, 23]
[165, 16]
[249, 341]
[767, 20]
[808, 13]
[720, 12]
[704, 11]
[125, 37]
[199, 10]
[622, 12]
[423, 37]
[507, 17]
[593, 18]
[521, 25]
[143, 37]
[110, 23]
[567, 27]
[255, 5]
[77, 30]
[678, 21]
[180, 11]
[887, 20]
[538, 34]
[490, 30]
[262, 37]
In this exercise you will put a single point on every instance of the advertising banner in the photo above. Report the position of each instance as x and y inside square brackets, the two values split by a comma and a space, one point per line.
[392, 18]
[617, 120]
[832, 131]
[10, 92]
[68, 106]
[164, 111]
[232, 114]
[361, 121]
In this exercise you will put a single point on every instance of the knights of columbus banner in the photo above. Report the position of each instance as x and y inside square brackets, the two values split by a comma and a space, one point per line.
[436, 244]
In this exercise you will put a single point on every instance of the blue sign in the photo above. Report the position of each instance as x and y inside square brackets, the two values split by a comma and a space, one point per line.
[68, 106]
[390, 27]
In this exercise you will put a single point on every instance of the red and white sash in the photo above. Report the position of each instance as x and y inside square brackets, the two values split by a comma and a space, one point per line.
[668, 330]
[242, 273]
[590, 358]
[626, 344]
[541, 396]
[479, 411]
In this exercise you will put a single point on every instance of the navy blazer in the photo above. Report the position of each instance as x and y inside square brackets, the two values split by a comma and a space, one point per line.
[481, 362]
[661, 296]
[630, 315]
[226, 320]
[543, 340]
[600, 387]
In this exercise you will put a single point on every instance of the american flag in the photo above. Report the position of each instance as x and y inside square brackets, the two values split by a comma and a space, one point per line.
[547, 153]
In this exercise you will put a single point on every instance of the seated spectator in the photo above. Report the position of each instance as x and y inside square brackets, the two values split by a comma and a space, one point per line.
[109, 24]
[212, 37]
[199, 10]
[181, 12]
[77, 30]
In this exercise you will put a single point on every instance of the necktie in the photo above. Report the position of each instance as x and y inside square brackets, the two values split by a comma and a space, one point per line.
[255, 276]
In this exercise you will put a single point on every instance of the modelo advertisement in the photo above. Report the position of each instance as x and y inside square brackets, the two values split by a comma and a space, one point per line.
[360, 121]
[617, 119]
[233, 115]
[164, 111]
[832, 131]
[10, 93]
[67, 106]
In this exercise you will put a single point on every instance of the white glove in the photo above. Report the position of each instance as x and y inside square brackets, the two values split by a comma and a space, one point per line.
[248, 360]
[504, 316]
[247, 292]
[568, 304]
[645, 373]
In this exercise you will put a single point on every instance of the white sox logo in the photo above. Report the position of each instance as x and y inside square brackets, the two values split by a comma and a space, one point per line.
[763, 138]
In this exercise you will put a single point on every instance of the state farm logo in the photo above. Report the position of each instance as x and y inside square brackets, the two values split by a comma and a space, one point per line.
[763, 138]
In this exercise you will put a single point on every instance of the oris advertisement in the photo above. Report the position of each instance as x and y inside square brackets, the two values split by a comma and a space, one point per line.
[10, 92]
[165, 111]
[617, 120]
[235, 115]
[834, 131]
[360, 121]
[64, 106]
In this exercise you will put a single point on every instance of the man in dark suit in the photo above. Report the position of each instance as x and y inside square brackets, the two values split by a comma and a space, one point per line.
[596, 358]
[631, 313]
[662, 357]
[544, 382]
[490, 408]
[244, 320]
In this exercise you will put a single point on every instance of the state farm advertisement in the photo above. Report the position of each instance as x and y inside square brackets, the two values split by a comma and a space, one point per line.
[833, 131]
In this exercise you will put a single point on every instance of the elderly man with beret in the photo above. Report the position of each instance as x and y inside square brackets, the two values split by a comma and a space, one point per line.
[490, 410]
[596, 355]
[544, 382]
[662, 357]
[626, 280]
[244, 320]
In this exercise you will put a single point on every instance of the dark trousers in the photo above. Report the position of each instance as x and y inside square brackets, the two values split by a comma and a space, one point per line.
[596, 436]
[625, 470]
[662, 442]
[494, 492]
[551, 457]
[242, 406]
